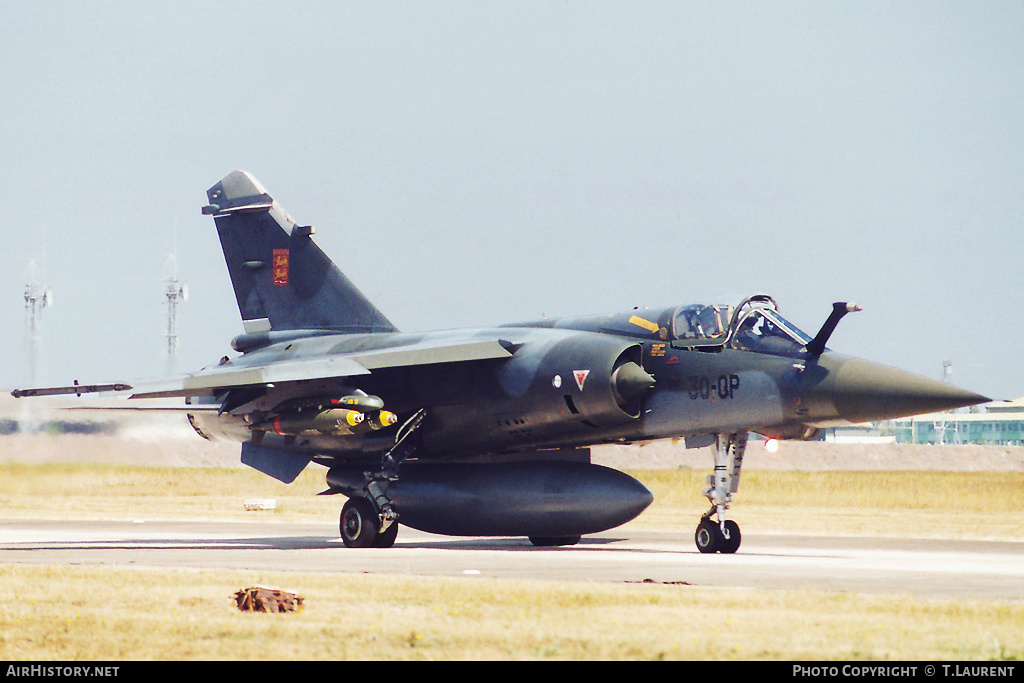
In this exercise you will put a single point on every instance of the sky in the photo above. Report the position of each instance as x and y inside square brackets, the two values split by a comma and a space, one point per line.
[471, 163]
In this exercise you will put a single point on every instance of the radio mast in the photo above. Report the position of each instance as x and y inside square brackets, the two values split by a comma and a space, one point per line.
[37, 297]
[176, 293]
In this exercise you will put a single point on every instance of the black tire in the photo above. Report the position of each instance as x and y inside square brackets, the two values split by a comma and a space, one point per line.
[358, 524]
[386, 538]
[731, 544]
[708, 536]
[552, 541]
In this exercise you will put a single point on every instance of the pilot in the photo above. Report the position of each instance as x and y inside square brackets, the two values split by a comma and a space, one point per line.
[759, 334]
[687, 323]
[748, 337]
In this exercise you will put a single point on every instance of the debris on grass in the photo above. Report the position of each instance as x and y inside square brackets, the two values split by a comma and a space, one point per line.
[264, 599]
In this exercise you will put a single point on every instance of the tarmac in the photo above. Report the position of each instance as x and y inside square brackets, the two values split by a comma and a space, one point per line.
[927, 568]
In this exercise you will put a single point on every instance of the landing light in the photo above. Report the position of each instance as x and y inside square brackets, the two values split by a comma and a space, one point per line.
[771, 445]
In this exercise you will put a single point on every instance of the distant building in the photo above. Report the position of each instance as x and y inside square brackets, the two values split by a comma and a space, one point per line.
[1005, 406]
[1000, 423]
[869, 433]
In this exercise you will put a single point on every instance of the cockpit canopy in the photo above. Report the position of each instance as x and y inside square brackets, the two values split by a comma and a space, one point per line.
[755, 325]
[763, 330]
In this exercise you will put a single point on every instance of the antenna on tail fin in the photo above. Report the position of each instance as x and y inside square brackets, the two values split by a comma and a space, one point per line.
[282, 280]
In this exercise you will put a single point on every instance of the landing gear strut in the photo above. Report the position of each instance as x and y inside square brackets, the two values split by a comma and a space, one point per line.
[722, 536]
[370, 520]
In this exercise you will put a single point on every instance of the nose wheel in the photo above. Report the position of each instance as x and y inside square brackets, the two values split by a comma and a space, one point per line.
[712, 537]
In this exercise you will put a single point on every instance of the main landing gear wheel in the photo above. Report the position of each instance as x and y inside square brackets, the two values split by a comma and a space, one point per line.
[386, 538]
[552, 541]
[360, 526]
[359, 523]
[710, 539]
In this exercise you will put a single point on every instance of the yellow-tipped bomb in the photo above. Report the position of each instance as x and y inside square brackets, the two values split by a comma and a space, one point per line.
[361, 413]
[333, 421]
[377, 420]
[338, 421]
[382, 419]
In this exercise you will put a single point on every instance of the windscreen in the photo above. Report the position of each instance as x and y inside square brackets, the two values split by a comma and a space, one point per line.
[765, 331]
[701, 322]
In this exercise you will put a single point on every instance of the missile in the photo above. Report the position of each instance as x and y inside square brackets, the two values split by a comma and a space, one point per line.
[361, 401]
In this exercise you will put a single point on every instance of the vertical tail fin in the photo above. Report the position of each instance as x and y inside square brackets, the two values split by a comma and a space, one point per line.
[282, 280]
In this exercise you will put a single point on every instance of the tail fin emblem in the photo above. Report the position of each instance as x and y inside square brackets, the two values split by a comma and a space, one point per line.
[280, 267]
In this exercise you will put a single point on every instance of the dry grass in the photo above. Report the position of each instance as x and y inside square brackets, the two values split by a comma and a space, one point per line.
[120, 614]
[109, 491]
[919, 504]
[81, 613]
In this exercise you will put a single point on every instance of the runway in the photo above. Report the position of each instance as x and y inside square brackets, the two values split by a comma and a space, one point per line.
[924, 568]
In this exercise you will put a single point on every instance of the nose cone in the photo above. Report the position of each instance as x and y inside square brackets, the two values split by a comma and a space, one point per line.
[863, 391]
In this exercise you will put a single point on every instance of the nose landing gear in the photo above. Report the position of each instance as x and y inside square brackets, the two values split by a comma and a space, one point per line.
[722, 536]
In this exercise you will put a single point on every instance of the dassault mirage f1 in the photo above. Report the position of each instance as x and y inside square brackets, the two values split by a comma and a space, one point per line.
[487, 431]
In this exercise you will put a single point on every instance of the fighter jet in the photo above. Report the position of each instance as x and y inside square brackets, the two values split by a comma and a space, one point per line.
[487, 431]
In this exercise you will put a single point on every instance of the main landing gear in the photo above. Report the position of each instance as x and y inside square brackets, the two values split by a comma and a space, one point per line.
[370, 520]
[722, 536]
[362, 527]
